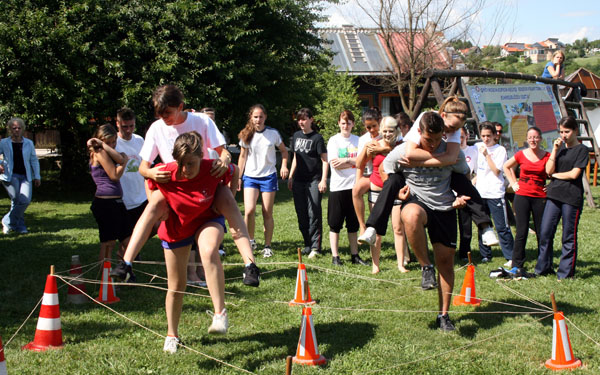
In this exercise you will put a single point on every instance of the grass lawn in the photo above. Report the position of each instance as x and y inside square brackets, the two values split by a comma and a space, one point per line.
[364, 324]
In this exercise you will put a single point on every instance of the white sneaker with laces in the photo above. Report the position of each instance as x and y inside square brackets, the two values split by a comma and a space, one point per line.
[171, 344]
[488, 237]
[220, 323]
[368, 237]
[508, 264]
[267, 252]
[5, 229]
[253, 244]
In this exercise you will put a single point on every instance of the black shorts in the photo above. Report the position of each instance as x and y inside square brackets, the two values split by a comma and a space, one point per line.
[340, 207]
[111, 216]
[441, 225]
[133, 216]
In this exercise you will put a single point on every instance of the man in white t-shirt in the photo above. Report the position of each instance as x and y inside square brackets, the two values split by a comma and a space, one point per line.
[132, 182]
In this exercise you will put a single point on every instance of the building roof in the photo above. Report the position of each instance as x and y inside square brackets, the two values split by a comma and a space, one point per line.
[589, 79]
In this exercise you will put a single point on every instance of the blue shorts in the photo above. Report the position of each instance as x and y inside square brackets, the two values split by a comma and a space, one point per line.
[263, 184]
[190, 240]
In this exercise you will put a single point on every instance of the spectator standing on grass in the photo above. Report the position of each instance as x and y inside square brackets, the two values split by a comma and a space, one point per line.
[565, 167]
[257, 164]
[342, 150]
[530, 194]
[18, 169]
[308, 181]
[107, 166]
[490, 185]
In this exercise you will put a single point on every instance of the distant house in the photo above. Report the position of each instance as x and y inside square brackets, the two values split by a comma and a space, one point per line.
[589, 79]
[362, 52]
[543, 51]
[514, 49]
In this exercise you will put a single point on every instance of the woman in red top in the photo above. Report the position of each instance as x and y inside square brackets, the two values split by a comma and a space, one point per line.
[530, 193]
[189, 193]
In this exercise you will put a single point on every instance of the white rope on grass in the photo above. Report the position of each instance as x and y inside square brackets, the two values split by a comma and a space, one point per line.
[545, 309]
[447, 351]
[583, 333]
[152, 331]
[519, 294]
[90, 265]
[150, 262]
[355, 276]
[26, 319]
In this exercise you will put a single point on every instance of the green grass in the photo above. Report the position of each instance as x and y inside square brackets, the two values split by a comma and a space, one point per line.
[393, 333]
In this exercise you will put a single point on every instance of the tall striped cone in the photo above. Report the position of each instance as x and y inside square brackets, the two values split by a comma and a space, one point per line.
[48, 333]
[107, 291]
[74, 295]
[2, 361]
[302, 293]
[467, 292]
[308, 351]
[562, 354]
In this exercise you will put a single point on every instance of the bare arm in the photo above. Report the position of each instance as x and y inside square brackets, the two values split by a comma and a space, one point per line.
[551, 163]
[292, 171]
[555, 71]
[221, 165]
[155, 173]
[416, 155]
[573, 174]
[509, 171]
[97, 144]
[235, 180]
[284, 172]
[489, 160]
[323, 182]
[242, 159]
[361, 162]
[114, 171]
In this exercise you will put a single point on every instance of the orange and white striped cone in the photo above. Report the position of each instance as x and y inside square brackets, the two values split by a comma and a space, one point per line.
[74, 295]
[302, 293]
[107, 290]
[562, 354]
[2, 361]
[48, 333]
[467, 292]
[308, 351]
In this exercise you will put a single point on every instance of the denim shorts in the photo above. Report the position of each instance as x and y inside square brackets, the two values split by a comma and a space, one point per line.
[190, 240]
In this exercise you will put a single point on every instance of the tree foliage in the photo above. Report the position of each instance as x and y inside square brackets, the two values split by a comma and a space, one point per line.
[66, 62]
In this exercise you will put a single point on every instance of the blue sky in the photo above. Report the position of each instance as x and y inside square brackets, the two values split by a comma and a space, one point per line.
[526, 21]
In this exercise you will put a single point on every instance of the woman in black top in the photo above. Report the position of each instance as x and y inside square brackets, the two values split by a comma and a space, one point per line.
[564, 199]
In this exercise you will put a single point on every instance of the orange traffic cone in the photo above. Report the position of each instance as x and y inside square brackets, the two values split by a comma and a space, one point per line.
[467, 292]
[302, 294]
[2, 361]
[308, 352]
[48, 333]
[107, 291]
[75, 295]
[562, 354]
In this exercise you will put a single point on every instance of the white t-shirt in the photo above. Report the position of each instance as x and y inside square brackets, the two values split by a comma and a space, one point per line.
[364, 140]
[488, 184]
[414, 136]
[132, 182]
[160, 138]
[262, 159]
[340, 147]
[471, 154]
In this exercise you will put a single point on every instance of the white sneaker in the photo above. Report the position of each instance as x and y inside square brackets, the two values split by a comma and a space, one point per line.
[171, 344]
[220, 323]
[253, 244]
[267, 252]
[314, 253]
[5, 229]
[508, 264]
[488, 237]
[368, 238]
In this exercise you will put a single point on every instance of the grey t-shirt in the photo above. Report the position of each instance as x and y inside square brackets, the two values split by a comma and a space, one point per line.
[431, 185]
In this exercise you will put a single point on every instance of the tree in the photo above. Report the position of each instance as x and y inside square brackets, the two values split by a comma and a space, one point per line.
[70, 64]
[413, 33]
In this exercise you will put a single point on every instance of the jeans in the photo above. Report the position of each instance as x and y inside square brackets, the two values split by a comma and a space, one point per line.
[497, 209]
[553, 211]
[307, 200]
[19, 191]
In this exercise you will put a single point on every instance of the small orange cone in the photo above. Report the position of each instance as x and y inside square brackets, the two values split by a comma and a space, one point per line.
[308, 351]
[74, 295]
[467, 292]
[562, 354]
[302, 294]
[48, 333]
[107, 291]
[2, 361]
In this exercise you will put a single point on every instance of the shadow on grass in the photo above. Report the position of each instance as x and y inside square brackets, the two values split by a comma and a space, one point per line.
[480, 321]
[276, 345]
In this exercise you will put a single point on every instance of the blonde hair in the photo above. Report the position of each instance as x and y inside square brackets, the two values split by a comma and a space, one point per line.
[454, 106]
[390, 122]
[557, 53]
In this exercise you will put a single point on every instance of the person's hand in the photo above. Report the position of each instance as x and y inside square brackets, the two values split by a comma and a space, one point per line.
[337, 162]
[460, 201]
[404, 162]
[557, 143]
[1, 168]
[322, 186]
[284, 172]
[125, 158]
[484, 151]
[37, 183]
[404, 193]
[94, 143]
[218, 168]
[515, 186]
[158, 175]
[290, 183]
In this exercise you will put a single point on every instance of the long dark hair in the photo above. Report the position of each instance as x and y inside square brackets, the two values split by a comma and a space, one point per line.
[247, 133]
[305, 113]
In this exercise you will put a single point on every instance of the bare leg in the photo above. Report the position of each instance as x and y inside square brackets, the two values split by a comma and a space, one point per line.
[250, 198]
[444, 260]
[192, 268]
[399, 241]
[209, 237]
[227, 206]
[415, 218]
[334, 239]
[156, 210]
[352, 238]
[375, 254]
[268, 201]
[106, 249]
[360, 188]
[176, 260]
